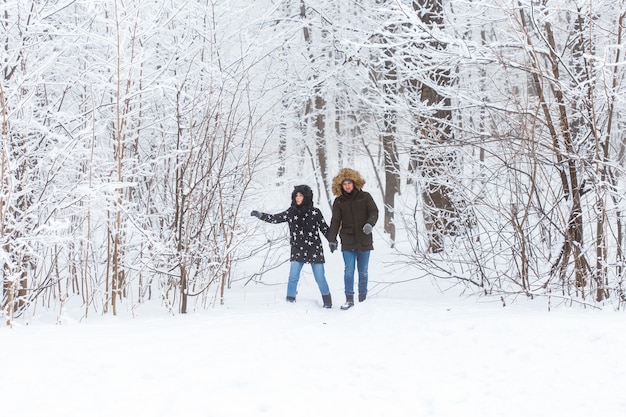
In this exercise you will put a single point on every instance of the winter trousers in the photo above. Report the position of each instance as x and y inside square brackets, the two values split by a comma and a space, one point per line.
[294, 277]
[360, 260]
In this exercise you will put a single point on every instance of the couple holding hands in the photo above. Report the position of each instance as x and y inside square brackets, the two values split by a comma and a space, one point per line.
[354, 214]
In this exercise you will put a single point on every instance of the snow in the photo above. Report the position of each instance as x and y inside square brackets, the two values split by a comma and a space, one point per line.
[409, 350]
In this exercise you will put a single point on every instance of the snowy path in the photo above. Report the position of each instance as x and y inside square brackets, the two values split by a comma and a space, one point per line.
[429, 356]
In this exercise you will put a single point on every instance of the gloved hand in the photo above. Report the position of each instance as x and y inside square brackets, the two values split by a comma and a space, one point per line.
[332, 246]
[367, 228]
[255, 213]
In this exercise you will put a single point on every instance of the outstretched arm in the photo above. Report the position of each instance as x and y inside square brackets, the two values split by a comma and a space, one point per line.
[271, 218]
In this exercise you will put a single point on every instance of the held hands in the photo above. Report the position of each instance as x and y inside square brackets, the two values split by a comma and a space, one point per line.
[332, 246]
[367, 229]
[255, 213]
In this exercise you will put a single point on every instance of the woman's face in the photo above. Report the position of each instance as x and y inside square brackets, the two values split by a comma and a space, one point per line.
[299, 198]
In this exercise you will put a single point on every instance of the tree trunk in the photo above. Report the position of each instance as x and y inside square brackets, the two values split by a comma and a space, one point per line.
[319, 117]
[434, 132]
[392, 166]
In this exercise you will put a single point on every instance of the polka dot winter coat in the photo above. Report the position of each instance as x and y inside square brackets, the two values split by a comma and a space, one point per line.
[305, 223]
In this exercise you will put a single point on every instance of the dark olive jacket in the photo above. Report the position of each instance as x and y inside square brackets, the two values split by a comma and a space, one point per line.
[350, 213]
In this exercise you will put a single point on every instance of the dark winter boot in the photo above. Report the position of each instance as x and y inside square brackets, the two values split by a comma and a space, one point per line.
[328, 303]
[362, 297]
[349, 302]
[291, 299]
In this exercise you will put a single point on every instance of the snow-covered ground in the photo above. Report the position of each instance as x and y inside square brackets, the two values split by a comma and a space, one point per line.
[407, 351]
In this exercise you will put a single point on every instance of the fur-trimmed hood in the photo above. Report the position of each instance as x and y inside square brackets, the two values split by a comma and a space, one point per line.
[347, 173]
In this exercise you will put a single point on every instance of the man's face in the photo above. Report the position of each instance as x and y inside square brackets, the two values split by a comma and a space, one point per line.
[348, 186]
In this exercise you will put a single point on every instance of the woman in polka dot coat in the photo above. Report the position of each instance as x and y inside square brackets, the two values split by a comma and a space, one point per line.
[305, 222]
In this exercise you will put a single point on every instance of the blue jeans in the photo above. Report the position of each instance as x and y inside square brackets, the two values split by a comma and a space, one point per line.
[294, 277]
[361, 260]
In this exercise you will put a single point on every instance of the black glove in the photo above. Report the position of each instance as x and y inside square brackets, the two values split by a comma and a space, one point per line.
[255, 213]
[367, 229]
[332, 246]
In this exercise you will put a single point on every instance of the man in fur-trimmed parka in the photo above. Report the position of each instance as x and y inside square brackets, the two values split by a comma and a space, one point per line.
[354, 215]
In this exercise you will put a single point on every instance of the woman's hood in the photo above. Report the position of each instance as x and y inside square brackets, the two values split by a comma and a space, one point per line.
[306, 191]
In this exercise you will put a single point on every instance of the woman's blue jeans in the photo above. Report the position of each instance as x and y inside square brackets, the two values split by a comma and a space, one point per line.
[352, 258]
[294, 277]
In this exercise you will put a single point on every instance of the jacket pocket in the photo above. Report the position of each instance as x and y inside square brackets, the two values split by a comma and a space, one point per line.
[347, 236]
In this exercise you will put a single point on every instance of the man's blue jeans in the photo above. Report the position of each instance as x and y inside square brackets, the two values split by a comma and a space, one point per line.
[352, 258]
[294, 277]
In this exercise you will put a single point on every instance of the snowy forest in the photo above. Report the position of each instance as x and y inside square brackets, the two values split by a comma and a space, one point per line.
[137, 136]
